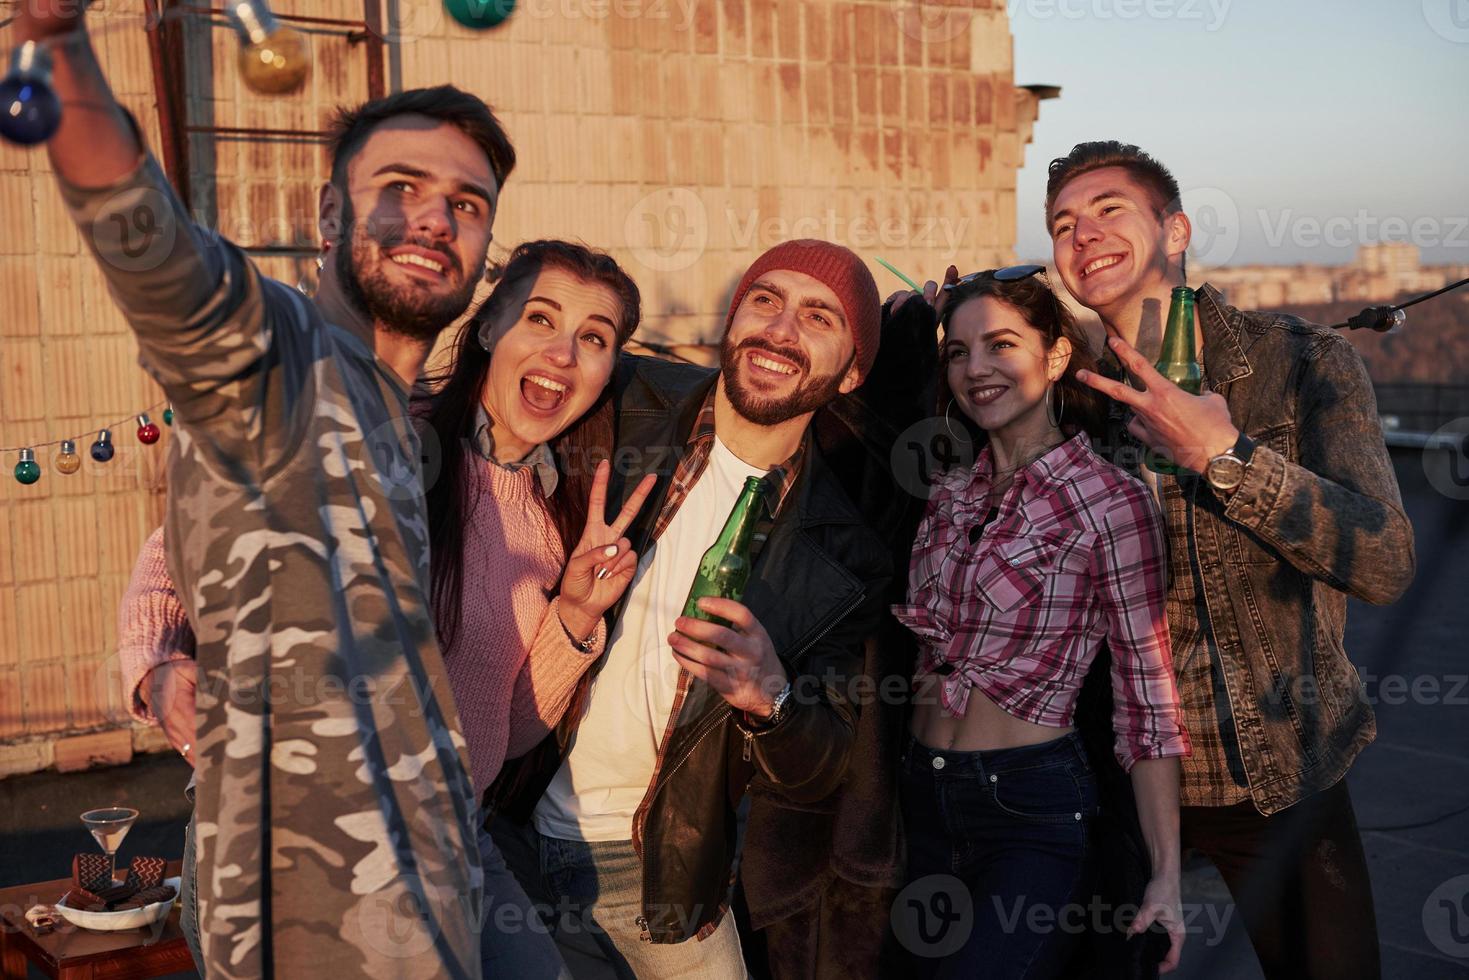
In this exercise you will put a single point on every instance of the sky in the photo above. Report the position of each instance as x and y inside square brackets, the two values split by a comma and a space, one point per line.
[1297, 129]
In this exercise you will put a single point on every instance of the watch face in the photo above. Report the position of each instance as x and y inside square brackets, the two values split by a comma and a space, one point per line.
[1225, 472]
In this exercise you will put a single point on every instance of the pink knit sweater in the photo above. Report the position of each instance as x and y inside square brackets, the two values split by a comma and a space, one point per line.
[511, 667]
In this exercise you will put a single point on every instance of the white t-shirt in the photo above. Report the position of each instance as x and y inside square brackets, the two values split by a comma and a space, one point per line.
[606, 774]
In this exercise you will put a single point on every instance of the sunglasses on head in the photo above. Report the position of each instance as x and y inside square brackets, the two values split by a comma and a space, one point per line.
[1011, 273]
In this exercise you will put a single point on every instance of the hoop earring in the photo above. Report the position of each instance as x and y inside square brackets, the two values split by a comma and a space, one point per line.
[1061, 411]
[948, 423]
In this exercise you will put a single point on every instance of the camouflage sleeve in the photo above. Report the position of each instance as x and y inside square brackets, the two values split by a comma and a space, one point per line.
[204, 317]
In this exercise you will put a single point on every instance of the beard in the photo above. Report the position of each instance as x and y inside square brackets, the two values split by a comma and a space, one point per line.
[408, 309]
[810, 394]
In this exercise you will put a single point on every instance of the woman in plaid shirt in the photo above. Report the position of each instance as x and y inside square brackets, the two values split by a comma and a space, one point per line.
[1023, 567]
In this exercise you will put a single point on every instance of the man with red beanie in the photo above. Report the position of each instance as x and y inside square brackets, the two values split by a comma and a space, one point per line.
[630, 806]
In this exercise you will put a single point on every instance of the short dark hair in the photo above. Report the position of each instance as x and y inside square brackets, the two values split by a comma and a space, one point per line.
[350, 128]
[1086, 157]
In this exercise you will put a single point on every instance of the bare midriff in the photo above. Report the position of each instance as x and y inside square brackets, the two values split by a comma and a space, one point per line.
[983, 726]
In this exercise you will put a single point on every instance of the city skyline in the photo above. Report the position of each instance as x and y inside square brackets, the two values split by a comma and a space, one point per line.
[1297, 132]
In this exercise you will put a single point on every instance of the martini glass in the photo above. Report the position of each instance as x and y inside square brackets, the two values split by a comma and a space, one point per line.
[109, 826]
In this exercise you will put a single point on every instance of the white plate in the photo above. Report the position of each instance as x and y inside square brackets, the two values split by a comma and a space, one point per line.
[126, 919]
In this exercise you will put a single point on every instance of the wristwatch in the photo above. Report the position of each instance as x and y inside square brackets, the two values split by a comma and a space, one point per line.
[779, 706]
[1227, 470]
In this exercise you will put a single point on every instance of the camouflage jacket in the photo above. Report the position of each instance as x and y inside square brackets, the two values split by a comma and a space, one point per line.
[334, 809]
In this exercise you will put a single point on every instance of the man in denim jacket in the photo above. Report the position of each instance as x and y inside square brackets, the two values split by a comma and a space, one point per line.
[1289, 505]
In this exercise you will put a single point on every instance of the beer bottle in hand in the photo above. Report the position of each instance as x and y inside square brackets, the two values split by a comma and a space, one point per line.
[1178, 362]
[725, 568]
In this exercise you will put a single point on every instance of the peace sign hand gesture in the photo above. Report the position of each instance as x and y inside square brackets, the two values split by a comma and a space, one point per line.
[1190, 429]
[603, 563]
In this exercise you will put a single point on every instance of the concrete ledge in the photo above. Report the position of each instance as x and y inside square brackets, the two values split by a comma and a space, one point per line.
[79, 752]
[25, 757]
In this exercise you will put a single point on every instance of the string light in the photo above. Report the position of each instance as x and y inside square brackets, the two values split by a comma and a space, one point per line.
[148, 431]
[29, 108]
[67, 461]
[27, 471]
[102, 449]
[480, 15]
[273, 59]
[168, 414]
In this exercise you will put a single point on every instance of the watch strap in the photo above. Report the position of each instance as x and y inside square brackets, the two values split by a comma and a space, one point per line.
[1243, 449]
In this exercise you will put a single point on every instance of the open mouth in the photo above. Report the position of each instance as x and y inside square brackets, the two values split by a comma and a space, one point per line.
[986, 394]
[543, 394]
[420, 264]
[766, 365]
[1099, 263]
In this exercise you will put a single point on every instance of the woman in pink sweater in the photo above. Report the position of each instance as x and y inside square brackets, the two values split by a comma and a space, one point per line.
[511, 492]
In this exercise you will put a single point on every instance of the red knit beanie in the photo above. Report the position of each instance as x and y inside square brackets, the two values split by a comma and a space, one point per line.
[841, 271]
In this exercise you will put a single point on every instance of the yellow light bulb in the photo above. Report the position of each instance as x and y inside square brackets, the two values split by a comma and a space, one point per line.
[274, 60]
[67, 461]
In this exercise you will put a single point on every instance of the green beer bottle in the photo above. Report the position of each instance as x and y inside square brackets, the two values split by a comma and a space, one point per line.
[1178, 362]
[725, 567]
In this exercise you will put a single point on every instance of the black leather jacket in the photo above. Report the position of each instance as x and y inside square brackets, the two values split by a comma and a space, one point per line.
[817, 588]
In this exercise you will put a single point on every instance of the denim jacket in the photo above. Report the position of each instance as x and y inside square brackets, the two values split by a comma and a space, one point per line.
[1317, 518]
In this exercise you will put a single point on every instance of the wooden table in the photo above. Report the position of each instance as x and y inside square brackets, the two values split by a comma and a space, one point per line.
[70, 953]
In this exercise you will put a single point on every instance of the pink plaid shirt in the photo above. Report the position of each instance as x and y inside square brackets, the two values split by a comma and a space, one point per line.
[1074, 556]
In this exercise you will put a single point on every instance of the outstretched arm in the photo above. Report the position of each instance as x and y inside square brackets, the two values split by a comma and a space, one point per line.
[96, 145]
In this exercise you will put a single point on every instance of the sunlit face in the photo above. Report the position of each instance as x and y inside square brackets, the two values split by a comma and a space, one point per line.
[789, 349]
[551, 362]
[420, 206]
[1108, 240]
[998, 366]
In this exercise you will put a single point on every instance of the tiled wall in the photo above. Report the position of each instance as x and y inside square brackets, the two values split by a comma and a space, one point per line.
[685, 136]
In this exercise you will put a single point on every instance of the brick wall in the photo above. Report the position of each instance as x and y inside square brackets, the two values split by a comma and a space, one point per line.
[685, 136]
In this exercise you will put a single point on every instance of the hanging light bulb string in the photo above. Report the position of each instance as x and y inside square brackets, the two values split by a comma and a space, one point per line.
[1384, 319]
[273, 60]
[131, 416]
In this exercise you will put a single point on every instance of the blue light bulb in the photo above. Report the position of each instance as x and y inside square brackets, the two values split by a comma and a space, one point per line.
[102, 449]
[29, 108]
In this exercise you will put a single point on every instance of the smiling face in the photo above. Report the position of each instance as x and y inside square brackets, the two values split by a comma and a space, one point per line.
[789, 349]
[998, 366]
[419, 208]
[1109, 241]
[552, 357]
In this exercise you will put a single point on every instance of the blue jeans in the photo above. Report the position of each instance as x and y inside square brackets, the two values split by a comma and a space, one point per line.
[514, 938]
[188, 894]
[997, 858]
[597, 887]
